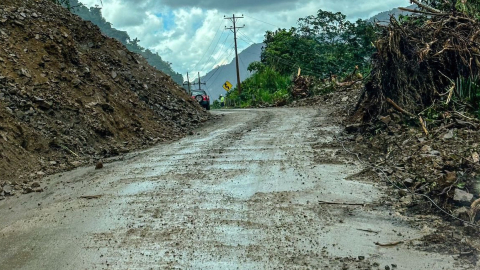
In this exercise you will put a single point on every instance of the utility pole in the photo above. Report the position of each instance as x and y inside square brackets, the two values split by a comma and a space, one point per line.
[234, 29]
[199, 82]
[188, 83]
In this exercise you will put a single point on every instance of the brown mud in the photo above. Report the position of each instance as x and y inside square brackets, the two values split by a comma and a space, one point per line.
[258, 189]
[70, 96]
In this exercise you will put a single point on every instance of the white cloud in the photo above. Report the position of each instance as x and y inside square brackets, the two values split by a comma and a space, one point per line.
[193, 25]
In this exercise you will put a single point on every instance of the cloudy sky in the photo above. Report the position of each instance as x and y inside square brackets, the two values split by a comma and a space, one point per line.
[191, 33]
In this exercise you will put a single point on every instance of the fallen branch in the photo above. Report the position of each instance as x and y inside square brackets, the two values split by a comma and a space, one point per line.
[90, 197]
[68, 150]
[420, 11]
[424, 127]
[466, 117]
[342, 203]
[395, 243]
[466, 253]
[428, 8]
[398, 108]
[389, 244]
[450, 94]
[368, 230]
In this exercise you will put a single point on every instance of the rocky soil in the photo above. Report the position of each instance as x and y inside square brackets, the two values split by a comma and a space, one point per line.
[259, 189]
[70, 96]
[440, 160]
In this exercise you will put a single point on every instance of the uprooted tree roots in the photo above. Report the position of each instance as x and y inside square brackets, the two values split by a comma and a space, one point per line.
[417, 61]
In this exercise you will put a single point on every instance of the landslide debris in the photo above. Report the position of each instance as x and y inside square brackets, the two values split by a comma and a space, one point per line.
[421, 59]
[71, 96]
[414, 123]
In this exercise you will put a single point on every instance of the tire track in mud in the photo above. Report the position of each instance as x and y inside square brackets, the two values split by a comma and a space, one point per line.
[241, 194]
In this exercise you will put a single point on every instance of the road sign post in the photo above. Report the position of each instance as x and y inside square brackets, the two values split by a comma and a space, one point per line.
[227, 86]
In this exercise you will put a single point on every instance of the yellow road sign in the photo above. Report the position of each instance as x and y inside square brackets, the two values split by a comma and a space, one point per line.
[227, 86]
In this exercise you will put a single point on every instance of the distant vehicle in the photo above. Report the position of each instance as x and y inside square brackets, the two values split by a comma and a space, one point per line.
[202, 98]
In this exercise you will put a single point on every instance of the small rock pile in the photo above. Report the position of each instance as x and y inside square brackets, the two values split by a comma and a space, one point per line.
[443, 164]
[70, 96]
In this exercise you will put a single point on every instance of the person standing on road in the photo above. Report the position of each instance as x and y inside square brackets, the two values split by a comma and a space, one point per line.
[222, 101]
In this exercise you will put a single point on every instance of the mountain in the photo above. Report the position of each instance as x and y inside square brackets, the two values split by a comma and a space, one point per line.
[384, 17]
[218, 76]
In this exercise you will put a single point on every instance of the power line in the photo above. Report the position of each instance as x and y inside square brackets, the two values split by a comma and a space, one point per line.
[245, 36]
[225, 53]
[234, 29]
[226, 59]
[243, 64]
[248, 43]
[218, 74]
[262, 21]
[211, 42]
[213, 52]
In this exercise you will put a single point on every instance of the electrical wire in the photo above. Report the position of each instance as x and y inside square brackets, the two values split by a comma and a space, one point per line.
[225, 53]
[261, 21]
[243, 64]
[213, 53]
[224, 62]
[211, 42]
[216, 70]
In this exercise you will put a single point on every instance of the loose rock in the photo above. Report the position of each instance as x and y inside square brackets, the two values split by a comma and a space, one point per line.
[462, 197]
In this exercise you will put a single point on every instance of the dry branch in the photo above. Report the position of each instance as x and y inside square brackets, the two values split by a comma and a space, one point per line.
[389, 244]
[343, 203]
[425, 7]
[398, 108]
[418, 59]
[90, 197]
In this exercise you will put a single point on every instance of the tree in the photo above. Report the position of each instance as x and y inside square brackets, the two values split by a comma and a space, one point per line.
[286, 51]
[470, 7]
[321, 45]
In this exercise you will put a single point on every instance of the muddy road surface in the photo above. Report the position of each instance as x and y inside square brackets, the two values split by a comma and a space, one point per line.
[258, 189]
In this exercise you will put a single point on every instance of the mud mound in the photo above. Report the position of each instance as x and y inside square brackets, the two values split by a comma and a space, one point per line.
[70, 96]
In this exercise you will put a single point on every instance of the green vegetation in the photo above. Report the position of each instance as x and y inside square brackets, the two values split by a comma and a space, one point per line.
[468, 90]
[94, 14]
[216, 105]
[322, 45]
[266, 86]
[470, 7]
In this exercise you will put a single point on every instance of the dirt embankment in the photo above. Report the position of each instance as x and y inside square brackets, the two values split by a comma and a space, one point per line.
[70, 96]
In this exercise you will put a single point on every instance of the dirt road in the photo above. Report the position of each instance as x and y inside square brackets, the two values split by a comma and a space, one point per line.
[247, 192]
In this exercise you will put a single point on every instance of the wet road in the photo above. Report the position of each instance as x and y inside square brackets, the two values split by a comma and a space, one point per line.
[243, 193]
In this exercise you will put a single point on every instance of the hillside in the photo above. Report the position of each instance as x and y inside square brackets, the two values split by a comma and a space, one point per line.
[217, 77]
[384, 17]
[71, 96]
[94, 14]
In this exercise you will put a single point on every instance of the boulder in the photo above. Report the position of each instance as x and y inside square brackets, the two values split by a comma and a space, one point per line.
[462, 197]
[462, 213]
